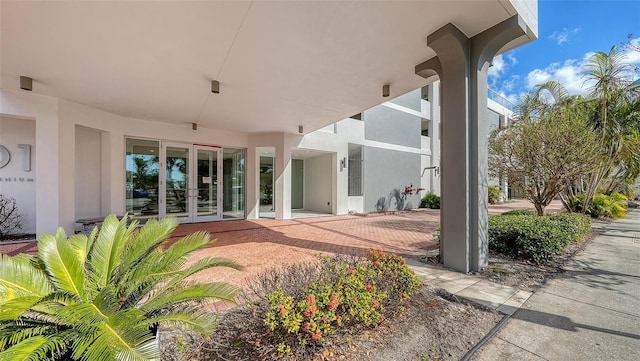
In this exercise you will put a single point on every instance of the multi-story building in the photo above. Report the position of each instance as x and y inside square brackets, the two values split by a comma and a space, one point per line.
[391, 157]
[169, 108]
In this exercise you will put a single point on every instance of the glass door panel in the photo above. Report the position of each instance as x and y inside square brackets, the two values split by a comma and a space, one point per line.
[142, 171]
[233, 169]
[176, 181]
[206, 184]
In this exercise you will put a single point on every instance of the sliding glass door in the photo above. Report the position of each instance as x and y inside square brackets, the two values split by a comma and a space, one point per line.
[206, 187]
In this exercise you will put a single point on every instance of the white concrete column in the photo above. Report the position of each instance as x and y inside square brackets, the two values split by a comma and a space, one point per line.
[66, 173]
[462, 64]
[252, 187]
[282, 191]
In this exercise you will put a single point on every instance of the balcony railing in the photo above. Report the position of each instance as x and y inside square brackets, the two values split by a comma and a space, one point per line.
[496, 97]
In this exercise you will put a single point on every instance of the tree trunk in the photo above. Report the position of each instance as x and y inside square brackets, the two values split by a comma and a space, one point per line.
[539, 208]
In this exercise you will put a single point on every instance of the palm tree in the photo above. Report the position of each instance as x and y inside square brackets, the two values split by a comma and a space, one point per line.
[102, 297]
[614, 117]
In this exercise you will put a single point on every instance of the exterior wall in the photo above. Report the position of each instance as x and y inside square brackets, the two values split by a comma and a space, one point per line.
[51, 207]
[410, 100]
[15, 182]
[318, 184]
[88, 180]
[387, 173]
[78, 154]
[393, 126]
[396, 154]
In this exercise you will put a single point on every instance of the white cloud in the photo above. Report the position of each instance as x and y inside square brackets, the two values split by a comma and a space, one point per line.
[562, 36]
[569, 74]
[497, 68]
[633, 51]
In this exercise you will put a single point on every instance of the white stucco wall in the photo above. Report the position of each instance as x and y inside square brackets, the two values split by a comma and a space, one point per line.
[15, 182]
[62, 143]
[44, 110]
[88, 179]
[318, 184]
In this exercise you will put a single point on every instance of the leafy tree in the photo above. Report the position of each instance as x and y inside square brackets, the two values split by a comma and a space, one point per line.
[545, 152]
[102, 297]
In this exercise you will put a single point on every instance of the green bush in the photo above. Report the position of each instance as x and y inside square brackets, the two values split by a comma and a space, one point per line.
[344, 294]
[520, 212]
[536, 238]
[430, 200]
[102, 297]
[602, 205]
[494, 194]
[575, 224]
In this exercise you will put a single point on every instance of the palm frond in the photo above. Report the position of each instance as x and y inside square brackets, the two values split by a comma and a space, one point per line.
[147, 239]
[18, 277]
[169, 297]
[58, 256]
[33, 349]
[106, 252]
[124, 333]
[201, 322]
[201, 265]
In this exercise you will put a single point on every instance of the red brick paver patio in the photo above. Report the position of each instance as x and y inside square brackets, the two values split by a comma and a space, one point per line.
[262, 244]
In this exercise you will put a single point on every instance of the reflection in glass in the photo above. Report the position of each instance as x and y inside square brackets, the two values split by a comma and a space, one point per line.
[141, 185]
[233, 165]
[177, 198]
[207, 180]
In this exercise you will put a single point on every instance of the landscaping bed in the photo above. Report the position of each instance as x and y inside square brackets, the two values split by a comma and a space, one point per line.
[436, 326]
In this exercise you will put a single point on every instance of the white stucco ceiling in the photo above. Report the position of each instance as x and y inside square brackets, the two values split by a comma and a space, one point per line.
[280, 64]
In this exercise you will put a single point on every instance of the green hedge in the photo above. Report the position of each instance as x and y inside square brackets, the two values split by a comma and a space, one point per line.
[519, 212]
[430, 200]
[536, 238]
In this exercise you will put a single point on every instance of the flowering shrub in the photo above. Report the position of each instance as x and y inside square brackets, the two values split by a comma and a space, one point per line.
[344, 295]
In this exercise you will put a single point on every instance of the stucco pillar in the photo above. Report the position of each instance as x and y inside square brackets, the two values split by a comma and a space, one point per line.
[282, 191]
[462, 65]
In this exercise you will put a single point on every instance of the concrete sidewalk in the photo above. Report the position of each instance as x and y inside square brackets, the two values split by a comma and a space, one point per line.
[591, 312]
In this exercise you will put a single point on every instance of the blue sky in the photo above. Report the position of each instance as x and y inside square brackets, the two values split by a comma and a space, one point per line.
[569, 32]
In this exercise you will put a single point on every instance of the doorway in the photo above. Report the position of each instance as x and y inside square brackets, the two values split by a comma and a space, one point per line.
[191, 189]
[193, 182]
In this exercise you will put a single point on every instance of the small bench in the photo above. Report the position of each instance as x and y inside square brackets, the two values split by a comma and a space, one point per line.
[87, 224]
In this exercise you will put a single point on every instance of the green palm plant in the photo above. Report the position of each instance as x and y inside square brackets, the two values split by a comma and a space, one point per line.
[102, 297]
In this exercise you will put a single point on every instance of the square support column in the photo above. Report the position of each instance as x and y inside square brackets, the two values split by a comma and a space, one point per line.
[462, 65]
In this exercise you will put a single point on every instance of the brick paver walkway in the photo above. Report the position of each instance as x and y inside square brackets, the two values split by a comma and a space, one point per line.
[264, 243]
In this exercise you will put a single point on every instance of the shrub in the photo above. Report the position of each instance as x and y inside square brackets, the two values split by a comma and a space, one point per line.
[102, 297]
[519, 212]
[10, 217]
[602, 205]
[431, 201]
[345, 294]
[494, 194]
[536, 238]
[576, 225]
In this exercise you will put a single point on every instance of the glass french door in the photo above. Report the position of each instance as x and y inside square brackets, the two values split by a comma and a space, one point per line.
[206, 185]
[175, 168]
[190, 188]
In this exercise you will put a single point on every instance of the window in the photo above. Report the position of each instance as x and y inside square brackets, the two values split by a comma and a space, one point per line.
[355, 168]
[142, 175]
[425, 124]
